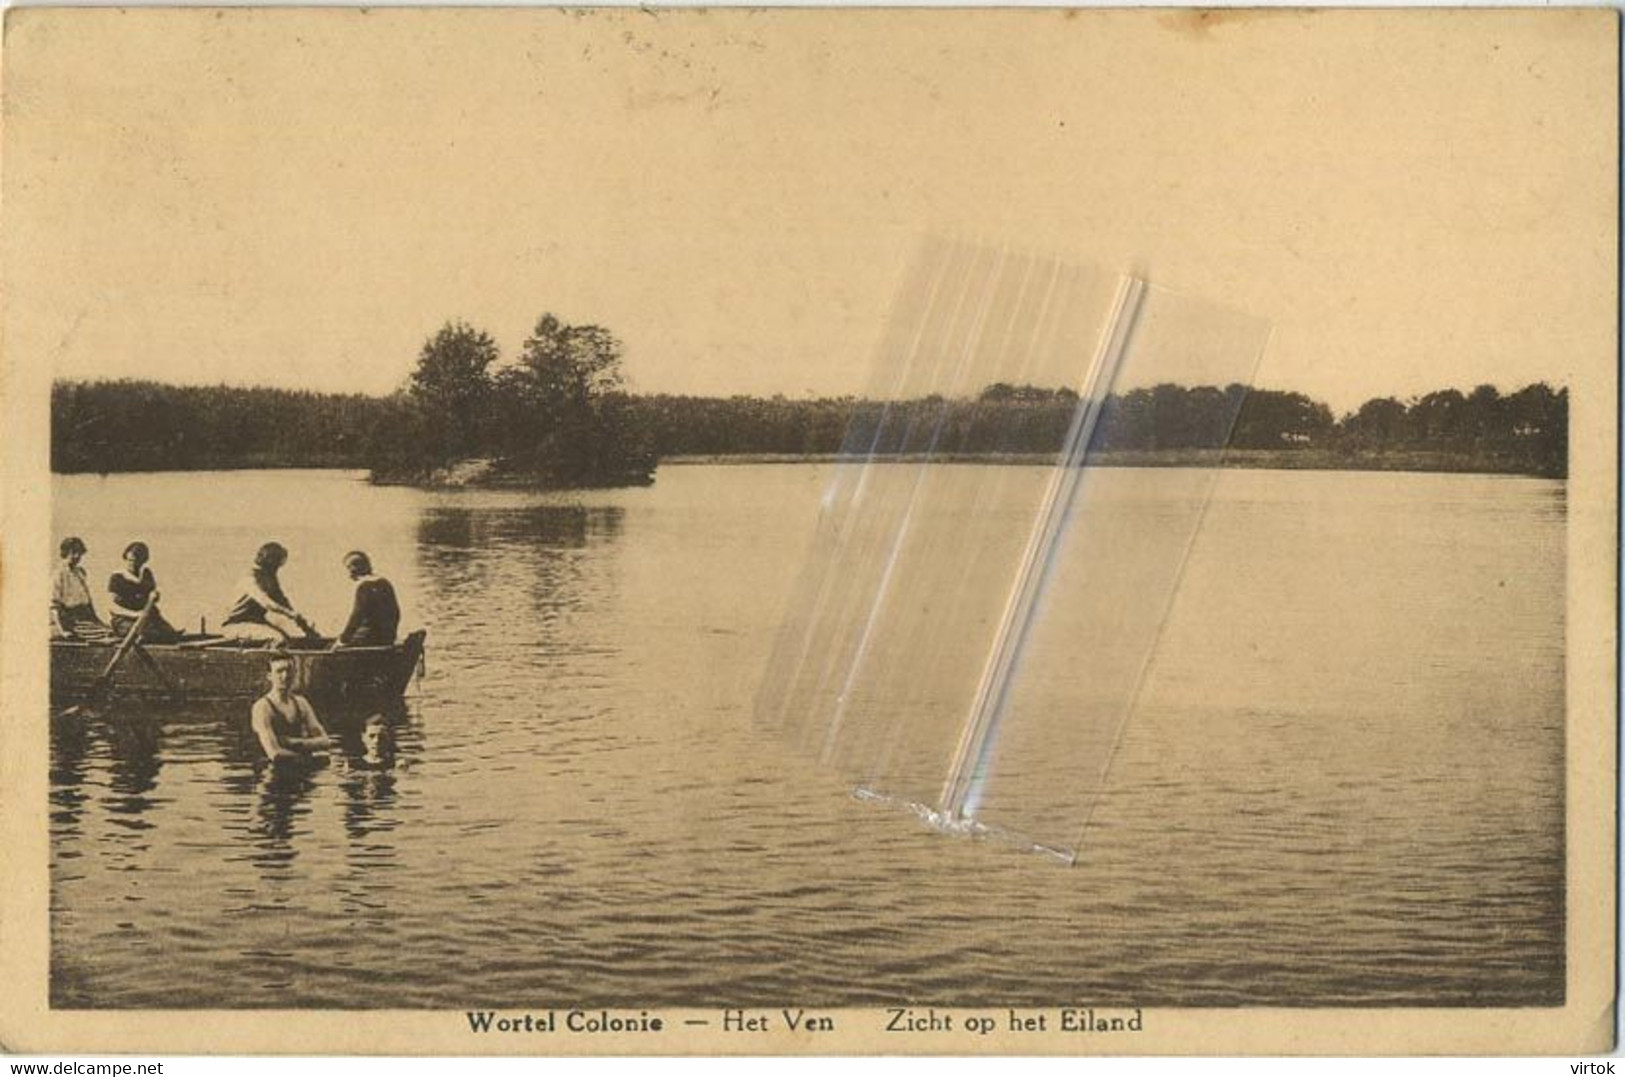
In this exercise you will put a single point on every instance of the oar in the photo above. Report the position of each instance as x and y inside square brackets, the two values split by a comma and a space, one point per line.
[98, 690]
[156, 670]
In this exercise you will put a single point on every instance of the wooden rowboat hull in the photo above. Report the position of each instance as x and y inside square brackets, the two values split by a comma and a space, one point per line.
[220, 670]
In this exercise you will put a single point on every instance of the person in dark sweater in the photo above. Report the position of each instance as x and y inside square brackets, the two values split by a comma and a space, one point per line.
[376, 614]
[128, 592]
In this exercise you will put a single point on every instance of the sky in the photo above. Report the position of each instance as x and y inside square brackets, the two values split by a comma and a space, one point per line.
[1410, 200]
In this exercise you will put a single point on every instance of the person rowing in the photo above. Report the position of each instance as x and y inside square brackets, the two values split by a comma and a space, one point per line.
[283, 720]
[128, 592]
[262, 611]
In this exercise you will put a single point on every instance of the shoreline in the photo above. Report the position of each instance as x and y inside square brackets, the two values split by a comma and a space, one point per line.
[1427, 461]
[1417, 461]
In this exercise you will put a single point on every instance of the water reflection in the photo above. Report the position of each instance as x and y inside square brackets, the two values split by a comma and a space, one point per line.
[136, 739]
[491, 548]
[282, 798]
[369, 794]
[70, 746]
[484, 528]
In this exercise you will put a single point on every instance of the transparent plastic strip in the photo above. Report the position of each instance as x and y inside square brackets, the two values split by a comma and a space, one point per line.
[981, 601]
[981, 725]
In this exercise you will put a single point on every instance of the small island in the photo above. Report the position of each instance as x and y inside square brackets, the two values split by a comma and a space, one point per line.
[557, 418]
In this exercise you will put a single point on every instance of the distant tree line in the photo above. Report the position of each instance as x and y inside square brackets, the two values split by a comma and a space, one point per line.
[561, 413]
[1524, 432]
[108, 426]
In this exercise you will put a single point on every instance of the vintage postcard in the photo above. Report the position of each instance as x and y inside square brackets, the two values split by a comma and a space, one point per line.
[608, 531]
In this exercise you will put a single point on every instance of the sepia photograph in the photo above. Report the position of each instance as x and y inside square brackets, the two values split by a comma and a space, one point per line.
[778, 531]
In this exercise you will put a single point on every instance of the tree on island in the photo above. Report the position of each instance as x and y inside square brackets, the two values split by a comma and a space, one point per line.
[556, 417]
[571, 365]
[452, 386]
[563, 409]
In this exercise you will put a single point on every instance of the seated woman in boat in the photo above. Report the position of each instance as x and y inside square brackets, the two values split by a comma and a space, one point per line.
[73, 615]
[283, 720]
[376, 615]
[128, 591]
[262, 611]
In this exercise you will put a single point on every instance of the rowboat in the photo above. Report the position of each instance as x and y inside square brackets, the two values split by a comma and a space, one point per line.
[216, 668]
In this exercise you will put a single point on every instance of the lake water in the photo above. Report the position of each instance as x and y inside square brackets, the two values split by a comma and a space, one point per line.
[1342, 783]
